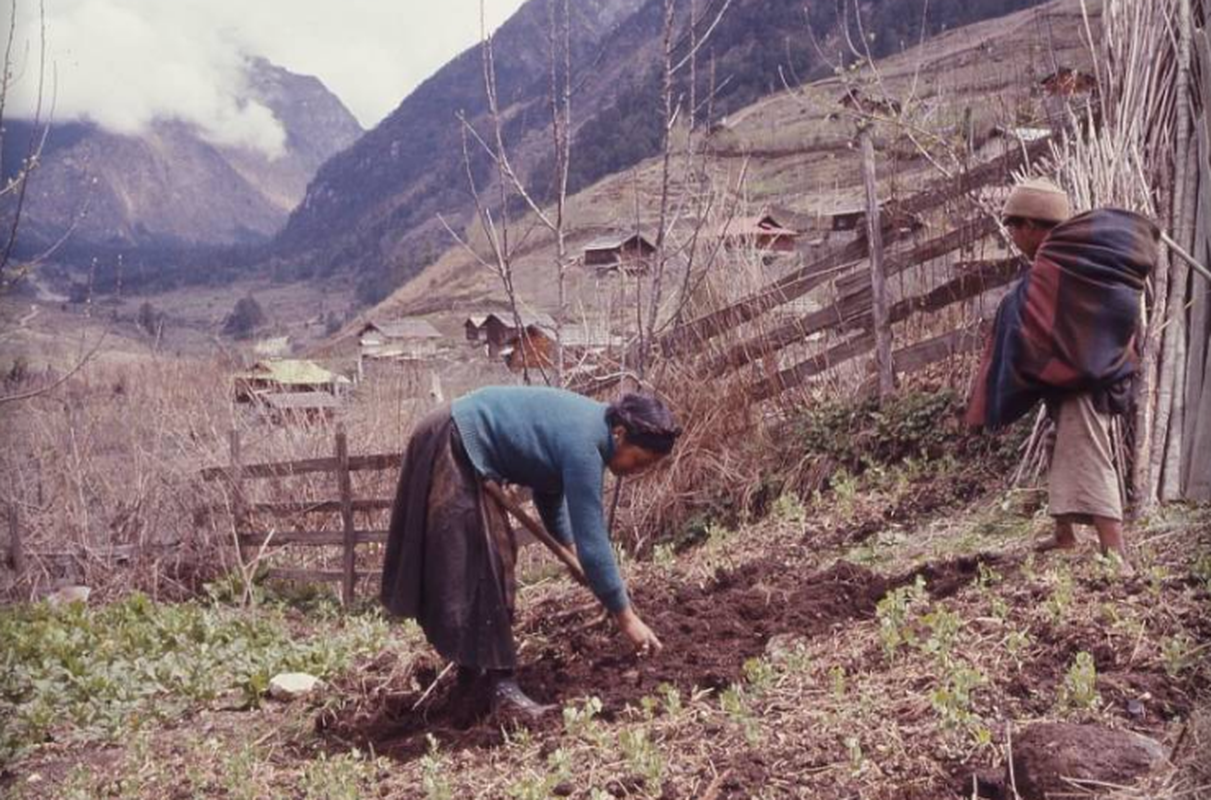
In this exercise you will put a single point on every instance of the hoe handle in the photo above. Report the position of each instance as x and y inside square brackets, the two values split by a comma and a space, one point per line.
[560, 550]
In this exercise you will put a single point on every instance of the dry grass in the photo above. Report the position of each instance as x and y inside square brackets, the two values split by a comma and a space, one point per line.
[106, 471]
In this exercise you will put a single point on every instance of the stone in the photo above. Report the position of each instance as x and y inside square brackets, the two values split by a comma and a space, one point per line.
[68, 595]
[291, 685]
[1051, 759]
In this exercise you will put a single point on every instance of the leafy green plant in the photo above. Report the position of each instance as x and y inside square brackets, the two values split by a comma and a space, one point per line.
[1201, 570]
[672, 698]
[1177, 653]
[1060, 601]
[944, 627]
[896, 615]
[543, 785]
[341, 777]
[1079, 689]
[643, 757]
[837, 675]
[789, 508]
[105, 671]
[434, 780]
[1109, 566]
[760, 674]
[952, 700]
[1016, 643]
[734, 702]
[582, 721]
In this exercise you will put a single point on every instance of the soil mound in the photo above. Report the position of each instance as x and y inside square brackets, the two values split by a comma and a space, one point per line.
[708, 632]
[1058, 759]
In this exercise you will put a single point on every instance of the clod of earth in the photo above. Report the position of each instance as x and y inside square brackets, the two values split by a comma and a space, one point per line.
[1058, 759]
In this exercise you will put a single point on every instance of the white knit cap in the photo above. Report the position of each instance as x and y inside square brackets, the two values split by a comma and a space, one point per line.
[1038, 198]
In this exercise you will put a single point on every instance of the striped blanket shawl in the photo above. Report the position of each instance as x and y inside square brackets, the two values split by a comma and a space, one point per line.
[1069, 325]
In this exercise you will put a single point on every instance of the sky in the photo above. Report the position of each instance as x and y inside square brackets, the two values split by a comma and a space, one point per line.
[126, 63]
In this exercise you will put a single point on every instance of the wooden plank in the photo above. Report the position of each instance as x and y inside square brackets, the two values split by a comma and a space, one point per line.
[964, 287]
[345, 487]
[922, 354]
[312, 538]
[293, 508]
[848, 307]
[799, 374]
[951, 188]
[375, 461]
[878, 277]
[310, 575]
[795, 284]
[286, 469]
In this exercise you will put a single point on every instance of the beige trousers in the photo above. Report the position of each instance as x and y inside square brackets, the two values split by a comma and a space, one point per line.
[1083, 482]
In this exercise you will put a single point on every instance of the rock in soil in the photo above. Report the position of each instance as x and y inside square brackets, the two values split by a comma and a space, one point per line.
[289, 685]
[1051, 760]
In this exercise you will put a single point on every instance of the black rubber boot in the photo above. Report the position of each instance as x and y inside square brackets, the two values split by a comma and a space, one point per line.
[509, 701]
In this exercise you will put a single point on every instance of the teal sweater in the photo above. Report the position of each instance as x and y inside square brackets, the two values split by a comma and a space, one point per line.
[557, 443]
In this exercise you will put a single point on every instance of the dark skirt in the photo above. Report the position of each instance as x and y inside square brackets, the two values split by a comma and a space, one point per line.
[450, 552]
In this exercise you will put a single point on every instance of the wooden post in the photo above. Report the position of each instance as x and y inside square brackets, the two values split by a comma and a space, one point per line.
[878, 275]
[15, 550]
[236, 476]
[345, 485]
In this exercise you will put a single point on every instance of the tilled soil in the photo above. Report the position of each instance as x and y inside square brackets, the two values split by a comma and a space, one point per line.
[708, 633]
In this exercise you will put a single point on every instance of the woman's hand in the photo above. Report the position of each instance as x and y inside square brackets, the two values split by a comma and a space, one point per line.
[637, 632]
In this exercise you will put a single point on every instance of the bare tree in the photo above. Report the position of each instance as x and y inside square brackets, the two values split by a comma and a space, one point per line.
[13, 192]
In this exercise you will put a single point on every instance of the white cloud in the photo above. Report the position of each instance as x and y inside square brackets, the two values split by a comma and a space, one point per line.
[126, 63]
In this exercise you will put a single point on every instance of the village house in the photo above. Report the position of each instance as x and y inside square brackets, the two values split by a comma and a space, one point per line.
[497, 331]
[850, 218]
[584, 342]
[286, 375]
[1068, 82]
[619, 252]
[396, 343]
[474, 327]
[859, 104]
[401, 339]
[760, 232]
[300, 408]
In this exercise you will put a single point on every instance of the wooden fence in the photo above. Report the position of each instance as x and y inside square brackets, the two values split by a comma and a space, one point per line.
[341, 465]
[852, 313]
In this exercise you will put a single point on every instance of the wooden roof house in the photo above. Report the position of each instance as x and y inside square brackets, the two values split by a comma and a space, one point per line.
[760, 232]
[497, 331]
[410, 338]
[286, 375]
[619, 252]
[300, 408]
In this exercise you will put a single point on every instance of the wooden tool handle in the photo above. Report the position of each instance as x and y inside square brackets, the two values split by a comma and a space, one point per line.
[561, 552]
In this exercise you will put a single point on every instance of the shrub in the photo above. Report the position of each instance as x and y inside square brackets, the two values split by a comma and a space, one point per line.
[244, 319]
